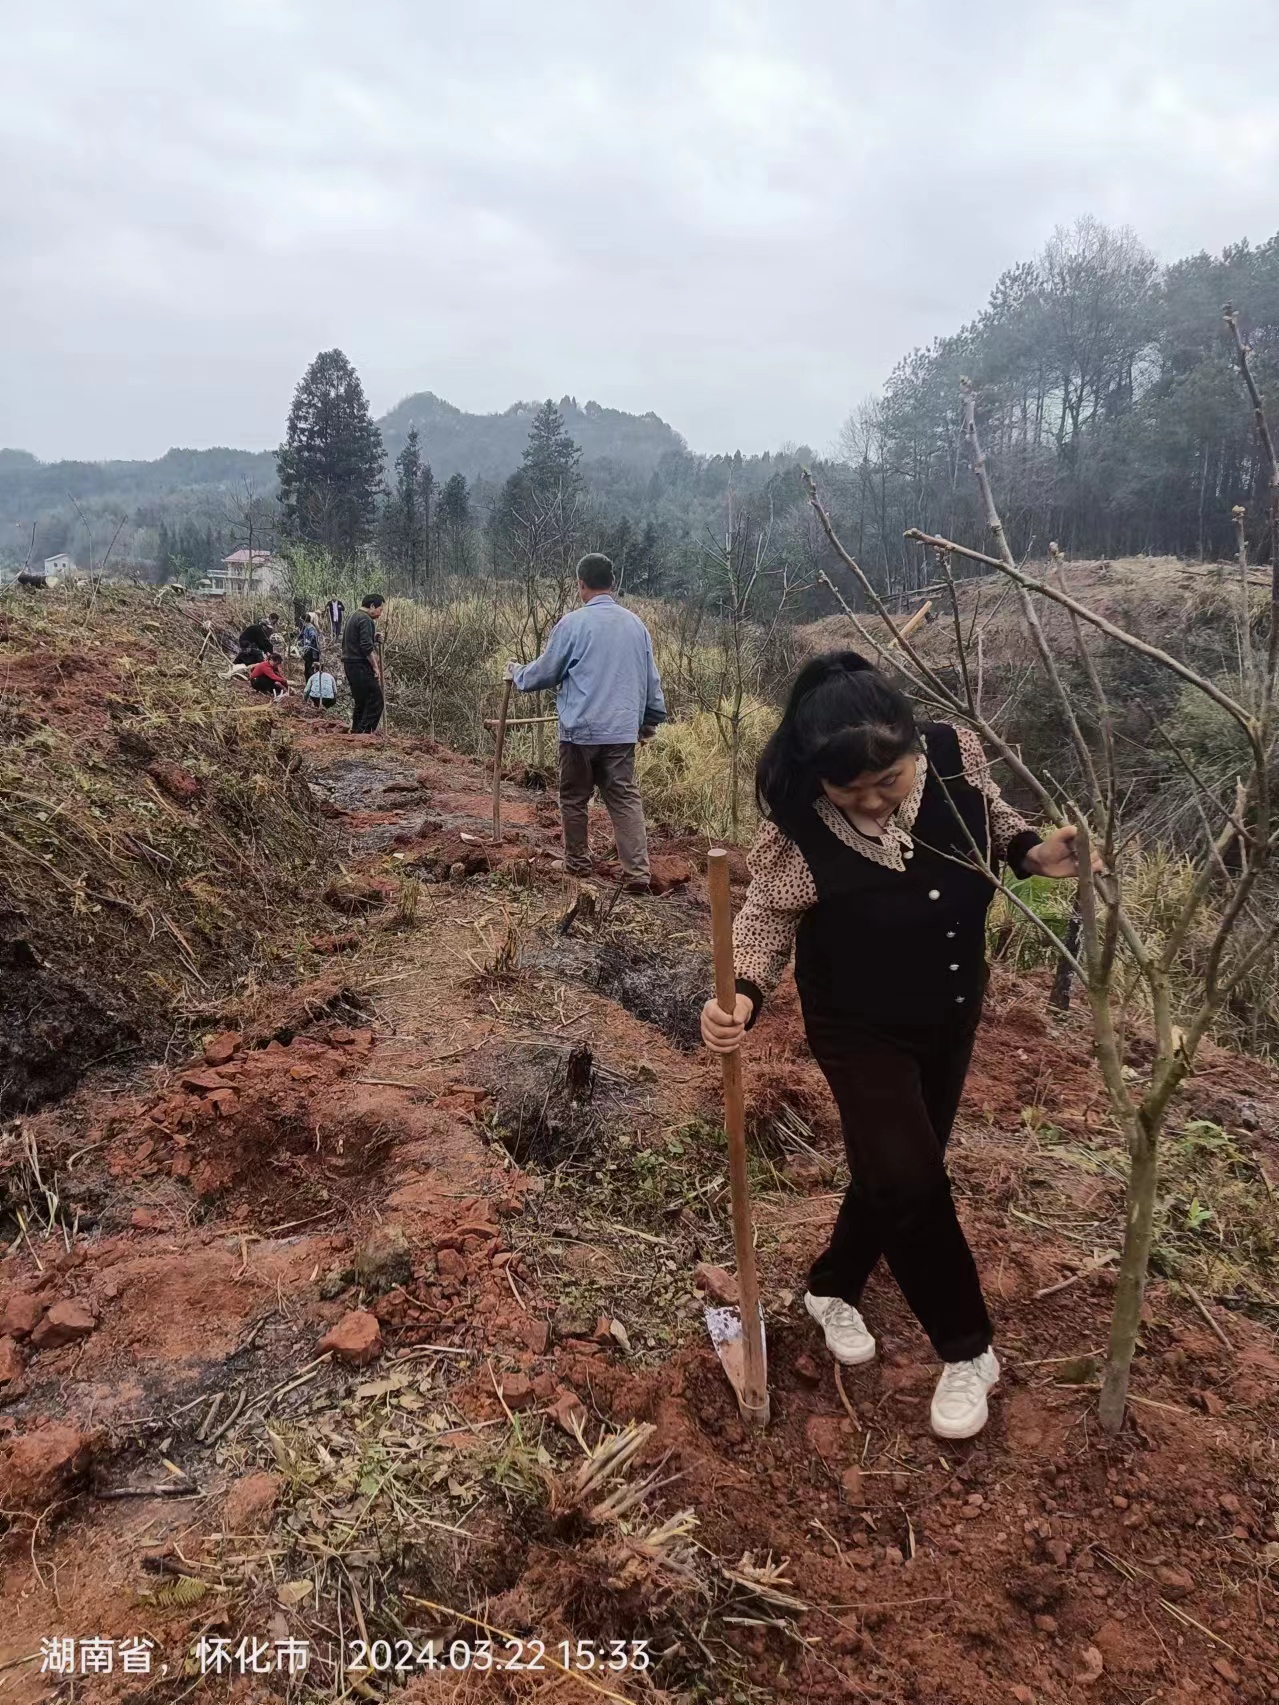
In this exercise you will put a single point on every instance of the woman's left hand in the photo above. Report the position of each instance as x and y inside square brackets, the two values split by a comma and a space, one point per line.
[1057, 856]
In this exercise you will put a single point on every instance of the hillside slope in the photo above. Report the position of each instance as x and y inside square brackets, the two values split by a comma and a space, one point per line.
[332, 1330]
[159, 845]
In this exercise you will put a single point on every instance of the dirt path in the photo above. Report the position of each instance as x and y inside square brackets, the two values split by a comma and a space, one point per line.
[482, 1146]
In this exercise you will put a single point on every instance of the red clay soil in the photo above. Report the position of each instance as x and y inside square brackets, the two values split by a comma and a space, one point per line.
[214, 1224]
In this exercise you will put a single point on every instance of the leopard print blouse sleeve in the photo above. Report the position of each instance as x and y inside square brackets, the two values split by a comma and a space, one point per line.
[781, 891]
[1011, 837]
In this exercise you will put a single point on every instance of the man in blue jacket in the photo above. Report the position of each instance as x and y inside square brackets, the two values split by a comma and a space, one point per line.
[601, 659]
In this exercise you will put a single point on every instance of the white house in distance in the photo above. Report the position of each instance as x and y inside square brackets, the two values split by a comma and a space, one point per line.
[58, 567]
[245, 571]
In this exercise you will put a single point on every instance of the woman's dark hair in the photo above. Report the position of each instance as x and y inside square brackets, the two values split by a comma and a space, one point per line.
[843, 719]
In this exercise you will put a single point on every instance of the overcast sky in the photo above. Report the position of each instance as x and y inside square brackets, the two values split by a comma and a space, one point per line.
[737, 214]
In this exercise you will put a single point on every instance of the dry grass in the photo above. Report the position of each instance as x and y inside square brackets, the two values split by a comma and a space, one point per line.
[158, 831]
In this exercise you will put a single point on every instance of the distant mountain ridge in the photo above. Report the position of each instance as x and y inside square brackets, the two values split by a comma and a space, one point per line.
[489, 446]
[486, 446]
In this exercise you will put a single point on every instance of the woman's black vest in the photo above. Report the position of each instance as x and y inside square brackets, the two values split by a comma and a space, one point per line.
[900, 946]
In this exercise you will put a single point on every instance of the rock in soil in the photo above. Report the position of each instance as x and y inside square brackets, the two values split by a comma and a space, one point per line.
[65, 1323]
[1174, 1583]
[334, 1282]
[11, 1369]
[202, 1082]
[22, 1314]
[356, 1339]
[43, 1462]
[385, 1260]
[517, 1391]
[178, 783]
[219, 1049]
[570, 1322]
[719, 1285]
[567, 1408]
[250, 1503]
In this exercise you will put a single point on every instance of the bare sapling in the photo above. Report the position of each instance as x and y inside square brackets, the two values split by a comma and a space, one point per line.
[751, 591]
[1111, 947]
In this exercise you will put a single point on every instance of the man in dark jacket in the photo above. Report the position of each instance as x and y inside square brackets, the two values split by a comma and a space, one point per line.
[255, 643]
[359, 651]
[309, 645]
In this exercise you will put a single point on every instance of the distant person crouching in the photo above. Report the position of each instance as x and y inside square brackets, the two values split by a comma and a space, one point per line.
[359, 648]
[610, 696]
[254, 644]
[321, 691]
[269, 677]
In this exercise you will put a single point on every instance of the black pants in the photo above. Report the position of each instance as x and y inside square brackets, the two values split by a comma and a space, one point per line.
[898, 1091]
[366, 692]
[310, 663]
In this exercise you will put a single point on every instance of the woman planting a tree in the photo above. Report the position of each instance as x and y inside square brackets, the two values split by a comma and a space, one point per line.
[876, 863]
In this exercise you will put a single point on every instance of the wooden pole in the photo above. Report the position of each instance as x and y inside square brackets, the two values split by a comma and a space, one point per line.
[753, 1397]
[916, 621]
[381, 680]
[498, 746]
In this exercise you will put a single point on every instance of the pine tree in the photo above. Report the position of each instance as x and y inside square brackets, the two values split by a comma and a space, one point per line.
[550, 457]
[330, 464]
[453, 521]
[409, 512]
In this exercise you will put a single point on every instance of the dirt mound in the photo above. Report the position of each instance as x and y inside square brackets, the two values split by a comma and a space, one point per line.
[125, 909]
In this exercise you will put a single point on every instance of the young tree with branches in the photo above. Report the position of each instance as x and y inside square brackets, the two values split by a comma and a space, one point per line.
[1116, 950]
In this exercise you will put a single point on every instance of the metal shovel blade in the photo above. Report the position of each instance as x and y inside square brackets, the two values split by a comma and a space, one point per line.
[725, 1328]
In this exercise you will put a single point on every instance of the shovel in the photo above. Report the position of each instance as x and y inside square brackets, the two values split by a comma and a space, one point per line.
[499, 746]
[738, 1336]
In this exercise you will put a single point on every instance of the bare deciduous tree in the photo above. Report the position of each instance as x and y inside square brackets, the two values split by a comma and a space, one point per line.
[1114, 950]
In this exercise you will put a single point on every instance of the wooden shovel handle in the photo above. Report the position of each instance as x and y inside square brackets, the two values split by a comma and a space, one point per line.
[753, 1398]
[722, 930]
[498, 746]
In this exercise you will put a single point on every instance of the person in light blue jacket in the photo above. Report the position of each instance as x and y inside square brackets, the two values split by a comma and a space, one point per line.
[600, 658]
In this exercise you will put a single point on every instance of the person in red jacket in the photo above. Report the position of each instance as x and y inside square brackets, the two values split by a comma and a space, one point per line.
[268, 676]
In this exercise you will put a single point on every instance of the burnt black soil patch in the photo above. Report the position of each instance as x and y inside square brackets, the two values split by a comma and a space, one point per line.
[52, 1029]
[546, 1113]
[660, 989]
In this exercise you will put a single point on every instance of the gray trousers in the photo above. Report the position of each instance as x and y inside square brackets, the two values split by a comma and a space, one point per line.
[612, 770]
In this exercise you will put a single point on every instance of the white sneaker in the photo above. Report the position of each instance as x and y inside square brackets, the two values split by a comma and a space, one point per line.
[846, 1336]
[959, 1402]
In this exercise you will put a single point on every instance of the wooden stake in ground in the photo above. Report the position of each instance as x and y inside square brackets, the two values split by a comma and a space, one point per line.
[743, 1357]
[499, 745]
[381, 680]
[916, 621]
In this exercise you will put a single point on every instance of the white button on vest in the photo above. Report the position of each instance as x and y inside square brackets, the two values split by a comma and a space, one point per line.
[950, 935]
[959, 1000]
[934, 893]
[909, 852]
[954, 967]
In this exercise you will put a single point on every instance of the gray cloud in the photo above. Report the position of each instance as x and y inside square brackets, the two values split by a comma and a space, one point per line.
[738, 213]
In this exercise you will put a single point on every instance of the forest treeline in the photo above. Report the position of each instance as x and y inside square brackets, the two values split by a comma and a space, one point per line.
[1105, 392]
